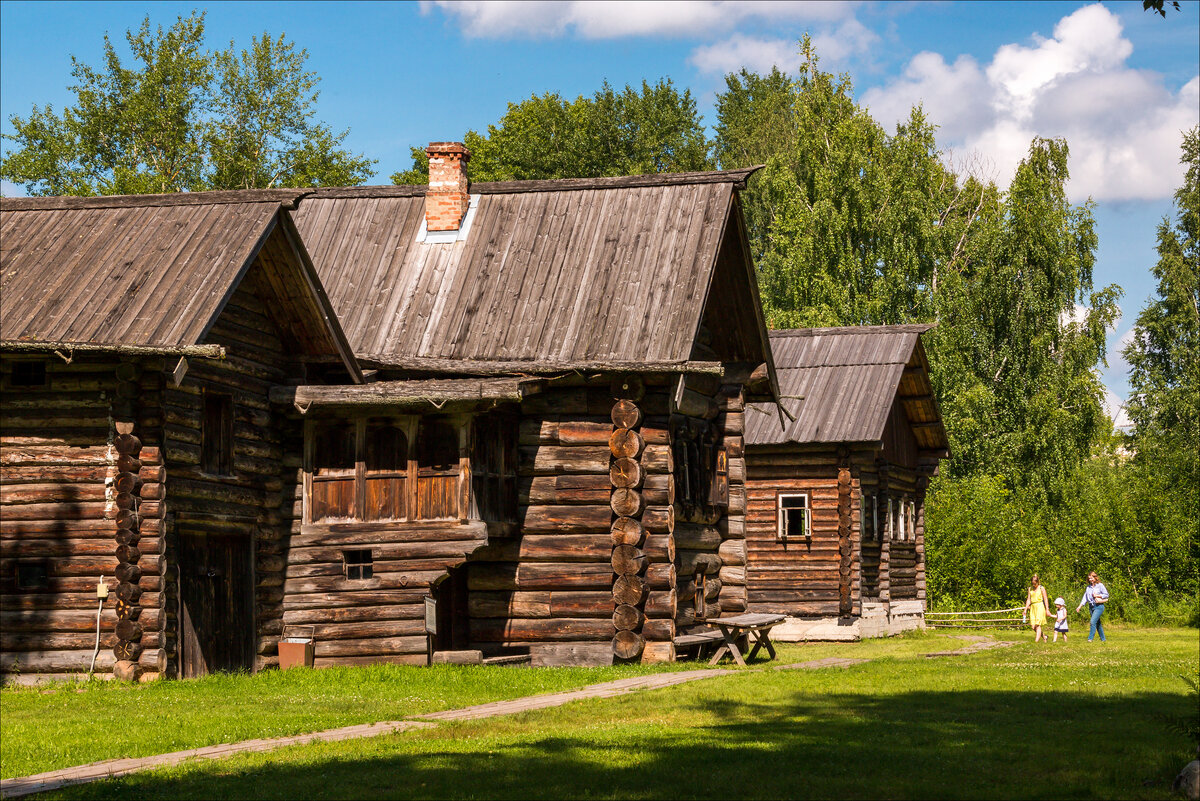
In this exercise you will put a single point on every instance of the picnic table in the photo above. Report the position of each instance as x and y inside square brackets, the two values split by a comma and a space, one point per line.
[756, 625]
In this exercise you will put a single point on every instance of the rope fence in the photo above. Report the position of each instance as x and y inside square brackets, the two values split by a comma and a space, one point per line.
[988, 619]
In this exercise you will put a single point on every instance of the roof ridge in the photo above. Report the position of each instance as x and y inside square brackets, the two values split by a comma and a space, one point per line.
[288, 198]
[291, 197]
[738, 176]
[903, 328]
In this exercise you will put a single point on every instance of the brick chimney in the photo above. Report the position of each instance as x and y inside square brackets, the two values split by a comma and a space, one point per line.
[446, 199]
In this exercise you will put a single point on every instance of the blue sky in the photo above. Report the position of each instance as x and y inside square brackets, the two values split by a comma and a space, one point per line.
[1120, 83]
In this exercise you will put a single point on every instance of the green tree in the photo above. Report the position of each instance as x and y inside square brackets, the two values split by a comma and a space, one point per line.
[847, 223]
[264, 133]
[631, 132]
[1020, 333]
[1164, 356]
[182, 119]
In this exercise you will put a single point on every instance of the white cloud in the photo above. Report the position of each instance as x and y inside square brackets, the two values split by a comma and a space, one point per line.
[1123, 125]
[738, 51]
[605, 20]
[851, 38]
[833, 45]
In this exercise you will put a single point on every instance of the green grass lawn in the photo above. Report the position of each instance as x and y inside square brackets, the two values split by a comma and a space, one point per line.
[57, 726]
[1028, 721]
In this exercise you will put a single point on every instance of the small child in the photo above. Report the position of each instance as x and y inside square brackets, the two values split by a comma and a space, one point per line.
[1060, 619]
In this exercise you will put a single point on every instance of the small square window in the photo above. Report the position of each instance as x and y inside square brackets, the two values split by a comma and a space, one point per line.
[794, 518]
[358, 564]
[32, 576]
[28, 374]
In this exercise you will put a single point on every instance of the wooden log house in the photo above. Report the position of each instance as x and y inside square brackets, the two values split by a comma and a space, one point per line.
[578, 351]
[140, 338]
[835, 515]
[540, 425]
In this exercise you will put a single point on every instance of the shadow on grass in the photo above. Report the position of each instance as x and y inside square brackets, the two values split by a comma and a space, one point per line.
[969, 744]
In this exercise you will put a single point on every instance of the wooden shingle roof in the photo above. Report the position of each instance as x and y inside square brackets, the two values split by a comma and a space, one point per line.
[153, 271]
[840, 384]
[551, 272]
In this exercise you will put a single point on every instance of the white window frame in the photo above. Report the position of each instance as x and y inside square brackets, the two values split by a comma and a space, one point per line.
[780, 534]
[891, 520]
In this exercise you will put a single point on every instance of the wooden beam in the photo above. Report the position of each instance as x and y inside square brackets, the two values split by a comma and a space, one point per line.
[67, 349]
[405, 393]
[288, 198]
[481, 367]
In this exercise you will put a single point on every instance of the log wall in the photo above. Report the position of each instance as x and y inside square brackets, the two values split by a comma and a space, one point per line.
[550, 588]
[837, 571]
[80, 499]
[803, 578]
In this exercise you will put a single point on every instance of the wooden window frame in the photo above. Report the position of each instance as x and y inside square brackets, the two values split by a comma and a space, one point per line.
[868, 510]
[411, 426]
[357, 568]
[488, 437]
[782, 534]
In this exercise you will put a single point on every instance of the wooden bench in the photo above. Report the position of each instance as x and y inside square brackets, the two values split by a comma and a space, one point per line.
[700, 641]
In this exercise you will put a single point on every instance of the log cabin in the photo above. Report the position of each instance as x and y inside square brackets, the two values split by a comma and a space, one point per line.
[139, 453]
[565, 364]
[533, 419]
[836, 482]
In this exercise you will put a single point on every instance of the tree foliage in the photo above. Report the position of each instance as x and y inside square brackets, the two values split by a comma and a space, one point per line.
[1164, 356]
[852, 225]
[183, 119]
[631, 132]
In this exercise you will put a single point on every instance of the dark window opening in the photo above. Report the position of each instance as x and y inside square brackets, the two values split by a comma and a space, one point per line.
[794, 516]
[28, 374]
[32, 576]
[438, 446]
[701, 466]
[494, 468]
[358, 564]
[216, 435]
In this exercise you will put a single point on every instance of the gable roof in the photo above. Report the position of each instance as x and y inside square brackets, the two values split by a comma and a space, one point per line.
[840, 384]
[153, 271]
[562, 272]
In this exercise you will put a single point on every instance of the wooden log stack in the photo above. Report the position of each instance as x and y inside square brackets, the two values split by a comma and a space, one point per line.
[627, 532]
[732, 548]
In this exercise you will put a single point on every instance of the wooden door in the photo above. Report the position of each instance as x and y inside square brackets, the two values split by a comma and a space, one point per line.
[217, 603]
[452, 615]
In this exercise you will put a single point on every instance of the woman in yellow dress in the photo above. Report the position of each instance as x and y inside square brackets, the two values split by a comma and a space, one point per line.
[1037, 606]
